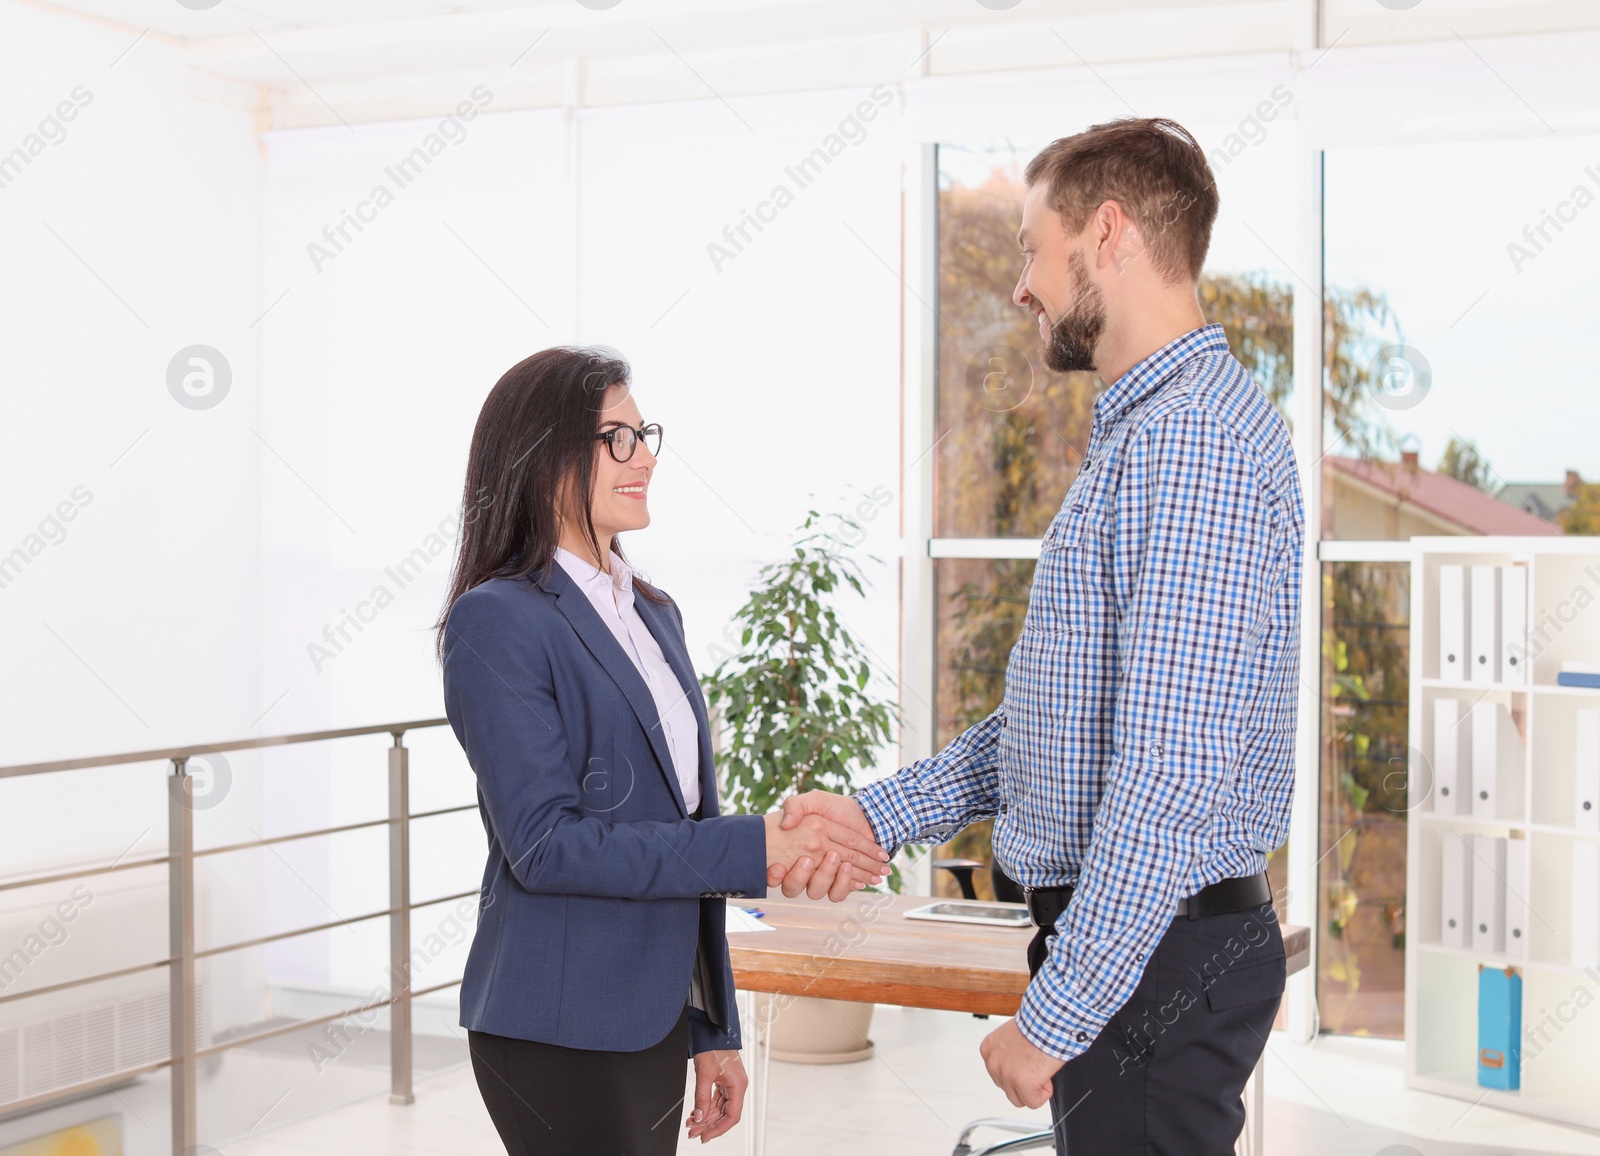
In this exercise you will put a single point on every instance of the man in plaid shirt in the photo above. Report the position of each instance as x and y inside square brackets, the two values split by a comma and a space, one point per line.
[1140, 767]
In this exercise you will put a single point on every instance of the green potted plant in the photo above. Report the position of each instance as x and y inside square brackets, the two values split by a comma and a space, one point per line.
[795, 711]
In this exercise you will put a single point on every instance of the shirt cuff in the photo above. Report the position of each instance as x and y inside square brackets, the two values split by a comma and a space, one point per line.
[1052, 1022]
[885, 805]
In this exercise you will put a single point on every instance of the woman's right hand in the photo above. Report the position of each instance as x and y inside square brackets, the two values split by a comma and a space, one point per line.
[825, 845]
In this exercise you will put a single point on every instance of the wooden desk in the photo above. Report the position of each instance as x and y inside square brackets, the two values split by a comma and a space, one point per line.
[865, 950]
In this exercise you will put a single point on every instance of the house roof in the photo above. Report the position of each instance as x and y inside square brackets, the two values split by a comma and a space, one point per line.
[1542, 499]
[1444, 497]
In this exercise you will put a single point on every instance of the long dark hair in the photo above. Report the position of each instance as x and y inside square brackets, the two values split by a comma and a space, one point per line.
[533, 446]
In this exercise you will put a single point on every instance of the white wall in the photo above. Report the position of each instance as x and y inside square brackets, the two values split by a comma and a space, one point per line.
[129, 236]
[132, 238]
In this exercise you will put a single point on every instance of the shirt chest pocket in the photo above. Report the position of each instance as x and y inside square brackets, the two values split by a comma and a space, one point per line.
[1071, 586]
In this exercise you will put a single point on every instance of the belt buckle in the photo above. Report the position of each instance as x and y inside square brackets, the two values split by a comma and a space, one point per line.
[1030, 897]
[1027, 898]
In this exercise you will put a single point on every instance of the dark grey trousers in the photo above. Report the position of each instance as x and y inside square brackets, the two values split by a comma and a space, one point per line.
[1166, 1075]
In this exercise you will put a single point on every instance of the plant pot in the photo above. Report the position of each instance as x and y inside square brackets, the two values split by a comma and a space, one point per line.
[803, 1030]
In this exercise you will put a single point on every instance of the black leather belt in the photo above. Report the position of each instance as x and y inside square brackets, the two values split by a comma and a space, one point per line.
[1045, 904]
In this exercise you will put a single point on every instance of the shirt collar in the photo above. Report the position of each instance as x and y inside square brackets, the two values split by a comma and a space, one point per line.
[1157, 368]
[618, 584]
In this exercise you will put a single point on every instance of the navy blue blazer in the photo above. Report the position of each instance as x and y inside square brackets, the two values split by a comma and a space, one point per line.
[599, 885]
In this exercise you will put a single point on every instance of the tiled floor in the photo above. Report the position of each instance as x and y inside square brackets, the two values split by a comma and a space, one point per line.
[1341, 1097]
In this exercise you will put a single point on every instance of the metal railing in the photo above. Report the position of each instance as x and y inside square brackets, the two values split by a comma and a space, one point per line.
[180, 859]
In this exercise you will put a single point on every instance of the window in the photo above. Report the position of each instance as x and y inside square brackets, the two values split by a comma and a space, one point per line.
[1450, 325]
[1458, 398]
[1011, 432]
[1362, 805]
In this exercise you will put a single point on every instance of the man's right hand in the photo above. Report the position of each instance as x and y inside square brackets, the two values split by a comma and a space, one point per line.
[849, 858]
[813, 876]
[842, 809]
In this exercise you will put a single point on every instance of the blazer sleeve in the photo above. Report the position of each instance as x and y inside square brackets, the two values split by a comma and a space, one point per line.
[500, 698]
[706, 1036]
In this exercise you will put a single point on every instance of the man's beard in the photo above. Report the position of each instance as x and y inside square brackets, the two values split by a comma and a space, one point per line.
[1073, 337]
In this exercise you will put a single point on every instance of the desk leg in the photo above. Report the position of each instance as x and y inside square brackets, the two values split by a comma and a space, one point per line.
[752, 1047]
[759, 1069]
[764, 1057]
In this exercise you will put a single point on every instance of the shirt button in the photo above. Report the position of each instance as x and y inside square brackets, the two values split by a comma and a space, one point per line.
[1156, 751]
[1082, 1036]
[1140, 957]
[1088, 463]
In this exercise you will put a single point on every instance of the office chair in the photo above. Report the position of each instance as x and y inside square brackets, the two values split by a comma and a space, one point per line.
[1029, 1138]
[961, 870]
[1005, 890]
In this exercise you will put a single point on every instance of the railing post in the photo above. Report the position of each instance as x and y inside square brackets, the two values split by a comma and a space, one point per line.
[180, 934]
[400, 922]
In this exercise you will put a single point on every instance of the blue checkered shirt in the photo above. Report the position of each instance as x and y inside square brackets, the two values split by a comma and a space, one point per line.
[1145, 744]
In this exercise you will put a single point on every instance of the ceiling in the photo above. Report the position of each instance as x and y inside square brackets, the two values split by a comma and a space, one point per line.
[308, 62]
[750, 20]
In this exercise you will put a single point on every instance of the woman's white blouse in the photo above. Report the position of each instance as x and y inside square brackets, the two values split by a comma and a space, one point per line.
[612, 597]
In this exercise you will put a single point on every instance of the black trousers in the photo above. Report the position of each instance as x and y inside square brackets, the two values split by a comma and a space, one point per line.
[1166, 1075]
[552, 1101]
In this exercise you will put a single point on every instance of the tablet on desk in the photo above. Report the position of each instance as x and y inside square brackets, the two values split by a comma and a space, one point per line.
[970, 911]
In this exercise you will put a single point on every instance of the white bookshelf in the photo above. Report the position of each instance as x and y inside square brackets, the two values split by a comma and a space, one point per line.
[1560, 1075]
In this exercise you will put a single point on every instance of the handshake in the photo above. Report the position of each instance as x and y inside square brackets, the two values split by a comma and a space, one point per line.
[823, 845]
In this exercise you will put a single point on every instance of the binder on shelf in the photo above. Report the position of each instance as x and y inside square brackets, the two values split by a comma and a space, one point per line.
[1585, 903]
[1453, 612]
[1499, 1028]
[1484, 629]
[1455, 891]
[1488, 894]
[1584, 674]
[1497, 755]
[1517, 898]
[1586, 771]
[1452, 758]
[1515, 660]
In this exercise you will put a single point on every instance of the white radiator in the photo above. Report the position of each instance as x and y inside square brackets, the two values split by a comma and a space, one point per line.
[66, 931]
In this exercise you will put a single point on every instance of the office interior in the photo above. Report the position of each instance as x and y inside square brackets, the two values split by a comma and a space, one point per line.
[265, 258]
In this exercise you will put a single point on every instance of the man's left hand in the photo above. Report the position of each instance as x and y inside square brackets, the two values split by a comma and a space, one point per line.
[1017, 1068]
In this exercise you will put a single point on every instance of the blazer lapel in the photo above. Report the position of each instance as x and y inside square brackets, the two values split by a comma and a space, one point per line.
[597, 637]
[670, 639]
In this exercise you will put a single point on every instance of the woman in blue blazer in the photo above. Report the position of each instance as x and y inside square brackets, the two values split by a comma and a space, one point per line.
[600, 962]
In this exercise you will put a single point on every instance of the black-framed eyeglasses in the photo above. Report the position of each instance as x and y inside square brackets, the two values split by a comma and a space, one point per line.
[622, 440]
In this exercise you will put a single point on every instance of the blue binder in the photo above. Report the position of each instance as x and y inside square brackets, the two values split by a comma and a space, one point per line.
[1499, 1028]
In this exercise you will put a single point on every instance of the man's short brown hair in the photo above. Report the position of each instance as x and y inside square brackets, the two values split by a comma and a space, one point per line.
[1150, 166]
